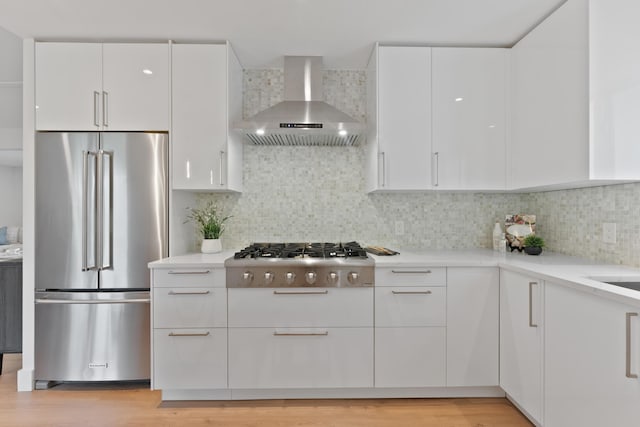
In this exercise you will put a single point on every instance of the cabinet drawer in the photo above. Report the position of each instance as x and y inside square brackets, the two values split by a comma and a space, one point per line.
[411, 306]
[300, 307]
[189, 358]
[414, 276]
[300, 358]
[410, 357]
[189, 277]
[189, 307]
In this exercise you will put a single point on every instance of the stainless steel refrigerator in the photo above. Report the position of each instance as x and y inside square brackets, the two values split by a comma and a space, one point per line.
[101, 216]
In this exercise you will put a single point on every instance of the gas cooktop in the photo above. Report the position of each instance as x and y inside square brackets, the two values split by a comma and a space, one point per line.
[300, 265]
[301, 250]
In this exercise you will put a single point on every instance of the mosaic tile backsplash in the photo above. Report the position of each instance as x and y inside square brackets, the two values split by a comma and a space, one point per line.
[317, 194]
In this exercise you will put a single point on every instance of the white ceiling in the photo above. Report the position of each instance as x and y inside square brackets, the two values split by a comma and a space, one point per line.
[263, 31]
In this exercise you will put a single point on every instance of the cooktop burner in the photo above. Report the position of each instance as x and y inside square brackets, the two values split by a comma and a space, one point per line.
[301, 250]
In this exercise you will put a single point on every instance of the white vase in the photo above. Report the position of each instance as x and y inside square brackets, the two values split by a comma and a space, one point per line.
[211, 246]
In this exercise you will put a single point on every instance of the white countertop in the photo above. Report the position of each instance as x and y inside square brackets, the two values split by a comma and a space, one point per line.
[549, 266]
[195, 260]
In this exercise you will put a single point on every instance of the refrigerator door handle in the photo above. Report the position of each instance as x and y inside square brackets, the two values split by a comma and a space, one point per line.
[85, 214]
[105, 221]
[88, 301]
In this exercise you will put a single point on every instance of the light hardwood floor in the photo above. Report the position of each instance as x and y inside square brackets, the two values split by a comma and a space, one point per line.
[75, 405]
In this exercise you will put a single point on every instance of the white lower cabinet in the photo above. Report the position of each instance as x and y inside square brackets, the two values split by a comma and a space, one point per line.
[473, 296]
[189, 309]
[190, 358]
[521, 341]
[411, 357]
[300, 357]
[592, 352]
[300, 338]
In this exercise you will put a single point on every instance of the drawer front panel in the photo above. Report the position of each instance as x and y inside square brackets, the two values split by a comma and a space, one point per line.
[189, 358]
[411, 306]
[189, 277]
[189, 307]
[410, 357]
[301, 307]
[300, 357]
[414, 276]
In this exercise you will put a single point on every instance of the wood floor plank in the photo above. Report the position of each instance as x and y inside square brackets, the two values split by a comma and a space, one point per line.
[86, 405]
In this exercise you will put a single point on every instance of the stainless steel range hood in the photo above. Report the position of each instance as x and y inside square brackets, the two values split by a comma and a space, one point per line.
[302, 118]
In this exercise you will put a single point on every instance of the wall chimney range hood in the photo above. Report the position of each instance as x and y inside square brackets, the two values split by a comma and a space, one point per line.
[302, 118]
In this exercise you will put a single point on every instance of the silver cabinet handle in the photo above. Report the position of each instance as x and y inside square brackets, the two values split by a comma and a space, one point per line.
[411, 292]
[189, 293]
[531, 324]
[203, 334]
[436, 157]
[105, 108]
[96, 108]
[411, 271]
[104, 301]
[301, 334]
[324, 292]
[628, 345]
[221, 158]
[189, 272]
[384, 168]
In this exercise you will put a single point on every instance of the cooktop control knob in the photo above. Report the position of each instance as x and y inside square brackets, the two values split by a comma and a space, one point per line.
[332, 278]
[289, 278]
[268, 277]
[310, 277]
[352, 277]
[247, 277]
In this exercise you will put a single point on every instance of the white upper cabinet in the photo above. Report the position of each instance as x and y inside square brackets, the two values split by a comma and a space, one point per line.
[68, 86]
[399, 111]
[93, 86]
[206, 99]
[136, 86]
[575, 97]
[469, 118]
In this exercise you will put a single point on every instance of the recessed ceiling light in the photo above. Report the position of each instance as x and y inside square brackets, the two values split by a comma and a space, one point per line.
[492, 126]
[342, 132]
[147, 71]
[459, 99]
[260, 132]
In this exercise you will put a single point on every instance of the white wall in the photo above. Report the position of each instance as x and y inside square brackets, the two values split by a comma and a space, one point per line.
[10, 195]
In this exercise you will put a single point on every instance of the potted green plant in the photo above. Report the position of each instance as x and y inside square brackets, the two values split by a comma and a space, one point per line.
[210, 224]
[533, 244]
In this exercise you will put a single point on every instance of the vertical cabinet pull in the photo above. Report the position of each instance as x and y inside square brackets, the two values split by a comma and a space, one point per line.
[221, 164]
[96, 108]
[383, 158]
[105, 108]
[628, 347]
[531, 324]
[436, 172]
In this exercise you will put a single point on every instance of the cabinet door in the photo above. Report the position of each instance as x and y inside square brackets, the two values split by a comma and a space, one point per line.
[189, 358]
[404, 118]
[410, 357]
[472, 326]
[521, 332]
[68, 86]
[300, 358]
[136, 86]
[469, 118]
[550, 101]
[199, 84]
[586, 353]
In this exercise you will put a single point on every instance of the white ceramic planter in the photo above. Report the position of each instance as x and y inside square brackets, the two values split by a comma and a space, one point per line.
[211, 246]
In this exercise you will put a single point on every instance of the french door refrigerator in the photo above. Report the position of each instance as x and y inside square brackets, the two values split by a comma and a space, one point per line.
[101, 216]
